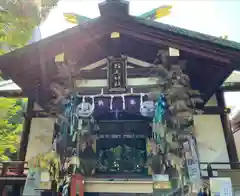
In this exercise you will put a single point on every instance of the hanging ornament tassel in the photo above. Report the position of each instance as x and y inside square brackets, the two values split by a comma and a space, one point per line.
[141, 100]
[74, 137]
[111, 102]
[83, 101]
[154, 133]
[71, 117]
[123, 102]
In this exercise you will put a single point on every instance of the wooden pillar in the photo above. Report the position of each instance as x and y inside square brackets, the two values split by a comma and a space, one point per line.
[26, 130]
[24, 142]
[229, 137]
[77, 185]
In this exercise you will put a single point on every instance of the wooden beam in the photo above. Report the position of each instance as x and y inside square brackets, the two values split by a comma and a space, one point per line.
[11, 94]
[212, 110]
[104, 90]
[42, 114]
[146, 81]
[231, 87]
[138, 62]
[97, 71]
[94, 65]
[215, 110]
[129, 60]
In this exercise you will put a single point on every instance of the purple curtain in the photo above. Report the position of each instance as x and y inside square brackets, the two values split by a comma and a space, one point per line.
[132, 104]
[102, 105]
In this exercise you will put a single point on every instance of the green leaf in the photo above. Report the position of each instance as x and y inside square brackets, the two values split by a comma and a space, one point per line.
[17, 23]
[18, 20]
[11, 124]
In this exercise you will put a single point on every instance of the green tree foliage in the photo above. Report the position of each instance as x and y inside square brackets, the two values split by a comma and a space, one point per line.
[18, 20]
[11, 124]
[46, 7]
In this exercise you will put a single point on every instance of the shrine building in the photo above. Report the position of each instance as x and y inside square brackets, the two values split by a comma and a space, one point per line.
[117, 41]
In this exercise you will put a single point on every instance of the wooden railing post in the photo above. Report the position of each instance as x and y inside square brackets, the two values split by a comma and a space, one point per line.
[209, 170]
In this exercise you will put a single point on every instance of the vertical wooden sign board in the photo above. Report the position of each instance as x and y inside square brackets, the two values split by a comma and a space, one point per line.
[77, 185]
[117, 74]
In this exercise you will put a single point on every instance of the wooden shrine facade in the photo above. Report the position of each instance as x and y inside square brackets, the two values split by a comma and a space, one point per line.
[207, 57]
[209, 60]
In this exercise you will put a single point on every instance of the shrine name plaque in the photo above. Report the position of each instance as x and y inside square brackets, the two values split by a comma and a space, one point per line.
[117, 74]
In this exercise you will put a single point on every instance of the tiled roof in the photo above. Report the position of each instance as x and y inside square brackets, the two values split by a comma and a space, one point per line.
[189, 33]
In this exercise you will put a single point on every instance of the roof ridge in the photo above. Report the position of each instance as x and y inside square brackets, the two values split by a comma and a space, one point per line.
[190, 33]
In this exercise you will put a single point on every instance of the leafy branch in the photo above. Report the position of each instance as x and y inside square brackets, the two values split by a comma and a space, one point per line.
[18, 20]
[11, 126]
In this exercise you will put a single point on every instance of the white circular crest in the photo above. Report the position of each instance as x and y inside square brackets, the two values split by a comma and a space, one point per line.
[84, 109]
[147, 108]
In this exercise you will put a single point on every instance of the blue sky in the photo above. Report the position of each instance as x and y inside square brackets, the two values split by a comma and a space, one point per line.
[214, 17]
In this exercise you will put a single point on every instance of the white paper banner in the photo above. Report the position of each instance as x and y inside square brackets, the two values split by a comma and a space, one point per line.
[221, 186]
[193, 163]
[32, 183]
